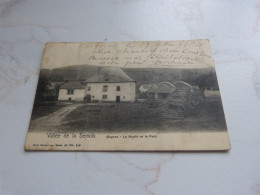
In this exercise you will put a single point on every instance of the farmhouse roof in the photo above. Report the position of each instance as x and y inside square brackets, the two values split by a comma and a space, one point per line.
[72, 85]
[109, 75]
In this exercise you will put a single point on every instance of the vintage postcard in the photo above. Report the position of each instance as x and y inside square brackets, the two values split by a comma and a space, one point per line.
[128, 96]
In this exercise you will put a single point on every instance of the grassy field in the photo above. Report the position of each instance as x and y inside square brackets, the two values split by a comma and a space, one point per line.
[139, 116]
[39, 111]
[111, 117]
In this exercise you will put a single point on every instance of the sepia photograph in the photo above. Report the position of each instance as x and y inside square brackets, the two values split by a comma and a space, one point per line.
[110, 99]
[127, 91]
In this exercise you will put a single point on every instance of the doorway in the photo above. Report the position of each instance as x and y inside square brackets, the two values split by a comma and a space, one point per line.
[117, 99]
[87, 98]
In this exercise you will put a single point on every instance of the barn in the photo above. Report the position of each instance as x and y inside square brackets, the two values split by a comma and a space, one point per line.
[108, 84]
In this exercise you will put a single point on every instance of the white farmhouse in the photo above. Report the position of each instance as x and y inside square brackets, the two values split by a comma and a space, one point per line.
[72, 91]
[108, 84]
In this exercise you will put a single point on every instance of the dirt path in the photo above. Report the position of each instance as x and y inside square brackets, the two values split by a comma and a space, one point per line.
[52, 120]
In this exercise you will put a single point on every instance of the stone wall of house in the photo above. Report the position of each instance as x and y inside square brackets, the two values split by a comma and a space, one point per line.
[78, 95]
[96, 91]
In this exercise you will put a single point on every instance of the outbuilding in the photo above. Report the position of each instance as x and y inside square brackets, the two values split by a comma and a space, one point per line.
[72, 91]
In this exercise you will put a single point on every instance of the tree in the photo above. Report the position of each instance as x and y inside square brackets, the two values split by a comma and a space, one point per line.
[42, 88]
[208, 81]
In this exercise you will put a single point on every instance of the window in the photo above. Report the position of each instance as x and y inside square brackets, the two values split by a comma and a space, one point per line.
[89, 88]
[117, 88]
[105, 88]
[104, 97]
[70, 91]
